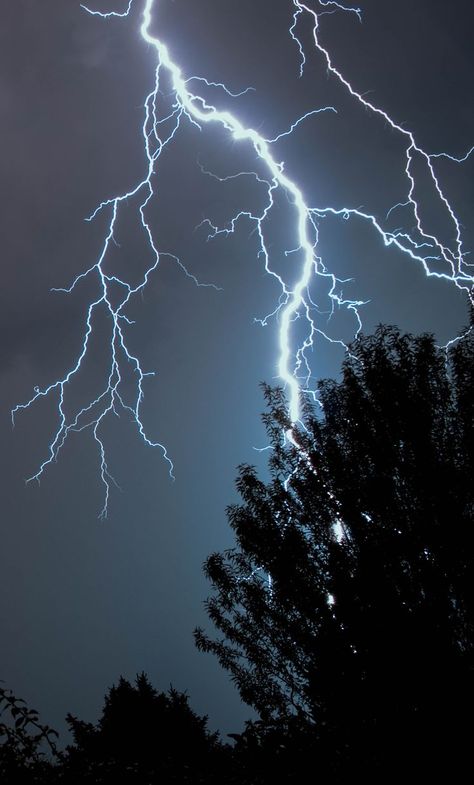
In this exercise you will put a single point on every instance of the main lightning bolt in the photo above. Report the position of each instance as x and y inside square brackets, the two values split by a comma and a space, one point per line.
[295, 302]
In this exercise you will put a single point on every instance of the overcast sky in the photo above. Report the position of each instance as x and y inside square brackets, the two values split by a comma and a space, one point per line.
[83, 600]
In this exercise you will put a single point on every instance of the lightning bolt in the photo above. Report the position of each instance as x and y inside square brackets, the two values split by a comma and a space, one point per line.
[295, 303]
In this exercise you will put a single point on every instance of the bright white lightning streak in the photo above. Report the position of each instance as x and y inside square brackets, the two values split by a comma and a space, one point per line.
[459, 160]
[454, 260]
[295, 301]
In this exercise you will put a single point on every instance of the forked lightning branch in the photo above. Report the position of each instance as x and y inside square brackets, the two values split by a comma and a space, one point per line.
[295, 302]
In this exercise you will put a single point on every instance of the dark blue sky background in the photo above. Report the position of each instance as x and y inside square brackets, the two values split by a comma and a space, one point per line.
[83, 601]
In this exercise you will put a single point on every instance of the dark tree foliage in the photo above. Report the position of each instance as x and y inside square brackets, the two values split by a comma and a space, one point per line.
[346, 609]
[27, 746]
[143, 736]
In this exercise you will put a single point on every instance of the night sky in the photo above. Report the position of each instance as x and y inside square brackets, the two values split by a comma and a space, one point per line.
[83, 600]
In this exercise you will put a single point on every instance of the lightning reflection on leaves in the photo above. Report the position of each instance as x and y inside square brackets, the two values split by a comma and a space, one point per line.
[295, 301]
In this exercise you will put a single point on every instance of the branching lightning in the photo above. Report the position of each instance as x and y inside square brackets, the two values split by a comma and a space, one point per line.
[188, 106]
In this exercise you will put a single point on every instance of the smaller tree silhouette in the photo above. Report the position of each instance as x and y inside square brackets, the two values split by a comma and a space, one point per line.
[143, 736]
[346, 609]
[28, 748]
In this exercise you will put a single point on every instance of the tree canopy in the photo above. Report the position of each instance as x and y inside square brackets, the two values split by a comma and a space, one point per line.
[27, 745]
[143, 736]
[346, 607]
[344, 612]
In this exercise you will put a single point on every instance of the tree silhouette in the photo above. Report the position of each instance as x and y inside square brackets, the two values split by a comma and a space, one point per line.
[346, 609]
[27, 746]
[143, 736]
